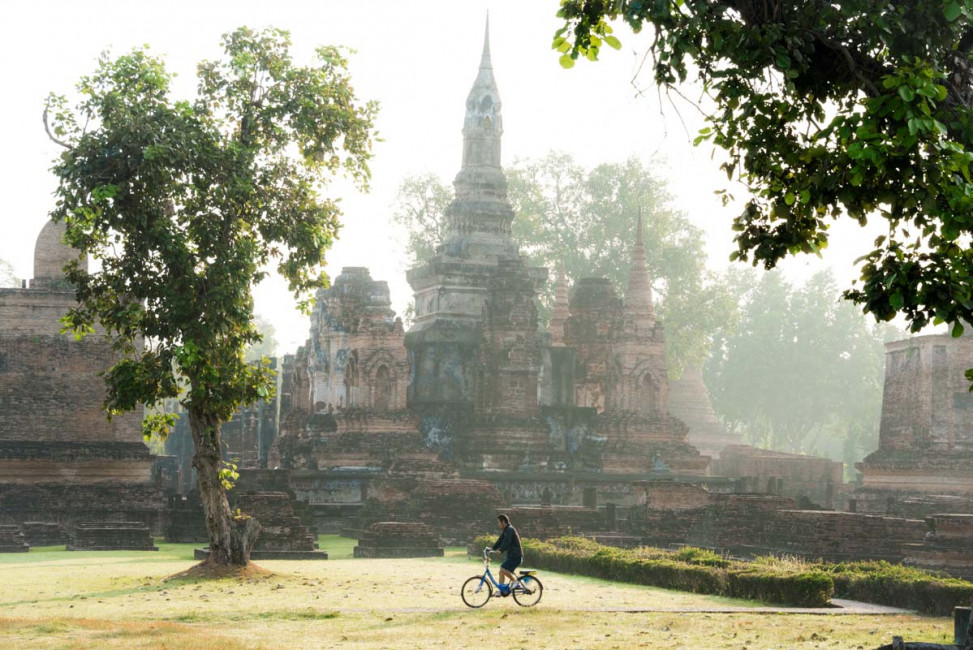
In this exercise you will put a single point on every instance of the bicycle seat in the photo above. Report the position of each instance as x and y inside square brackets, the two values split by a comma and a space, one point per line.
[527, 573]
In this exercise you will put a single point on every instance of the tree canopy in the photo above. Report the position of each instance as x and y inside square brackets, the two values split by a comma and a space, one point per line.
[185, 204]
[802, 370]
[856, 108]
[586, 220]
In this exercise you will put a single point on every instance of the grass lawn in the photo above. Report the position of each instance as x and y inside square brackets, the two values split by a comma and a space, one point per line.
[50, 598]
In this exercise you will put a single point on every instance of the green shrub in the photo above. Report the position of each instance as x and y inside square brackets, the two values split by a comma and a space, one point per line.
[804, 589]
[899, 586]
[703, 556]
[772, 579]
[688, 569]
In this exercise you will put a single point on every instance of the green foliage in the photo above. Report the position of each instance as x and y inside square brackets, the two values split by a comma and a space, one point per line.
[185, 204]
[770, 579]
[899, 586]
[228, 476]
[420, 210]
[794, 350]
[8, 277]
[693, 570]
[824, 110]
[586, 220]
[267, 346]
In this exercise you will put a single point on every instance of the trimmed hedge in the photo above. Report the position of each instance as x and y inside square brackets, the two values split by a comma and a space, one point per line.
[693, 570]
[769, 579]
[899, 586]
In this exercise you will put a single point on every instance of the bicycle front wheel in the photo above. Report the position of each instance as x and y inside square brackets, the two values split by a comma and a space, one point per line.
[529, 594]
[476, 592]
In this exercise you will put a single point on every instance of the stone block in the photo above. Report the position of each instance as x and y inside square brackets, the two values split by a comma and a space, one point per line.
[42, 533]
[12, 540]
[112, 536]
[397, 539]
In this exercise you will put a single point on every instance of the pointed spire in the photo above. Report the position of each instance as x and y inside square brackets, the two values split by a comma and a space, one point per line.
[485, 59]
[560, 312]
[638, 295]
[483, 125]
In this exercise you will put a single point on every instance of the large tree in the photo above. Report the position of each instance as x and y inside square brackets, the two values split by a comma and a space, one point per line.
[802, 370]
[586, 220]
[185, 204]
[827, 109]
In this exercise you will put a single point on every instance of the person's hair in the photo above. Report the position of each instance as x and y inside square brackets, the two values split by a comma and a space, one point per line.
[504, 518]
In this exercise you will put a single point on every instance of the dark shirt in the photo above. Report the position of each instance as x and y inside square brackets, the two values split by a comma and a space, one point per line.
[509, 543]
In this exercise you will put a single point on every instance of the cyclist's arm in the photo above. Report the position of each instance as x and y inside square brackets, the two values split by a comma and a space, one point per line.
[503, 542]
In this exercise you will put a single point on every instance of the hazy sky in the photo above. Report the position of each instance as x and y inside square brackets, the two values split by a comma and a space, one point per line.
[418, 59]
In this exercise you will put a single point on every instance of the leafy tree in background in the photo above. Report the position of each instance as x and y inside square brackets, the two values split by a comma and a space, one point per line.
[8, 277]
[420, 210]
[862, 109]
[586, 219]
[185, 203]
[802, 371]
[266, 347]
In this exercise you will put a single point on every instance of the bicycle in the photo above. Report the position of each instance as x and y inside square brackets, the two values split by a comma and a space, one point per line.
[477, 591]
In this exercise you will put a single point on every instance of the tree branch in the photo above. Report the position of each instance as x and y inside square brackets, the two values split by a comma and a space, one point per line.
[47, 129]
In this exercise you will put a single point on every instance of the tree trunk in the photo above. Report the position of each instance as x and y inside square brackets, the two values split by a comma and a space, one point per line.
[230, 540]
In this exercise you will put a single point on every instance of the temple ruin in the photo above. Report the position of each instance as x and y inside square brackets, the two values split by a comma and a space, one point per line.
[61, 461]
[375, 420]
[384, 434]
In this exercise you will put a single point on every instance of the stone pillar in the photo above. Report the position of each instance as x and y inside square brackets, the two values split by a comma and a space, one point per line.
[961, 625]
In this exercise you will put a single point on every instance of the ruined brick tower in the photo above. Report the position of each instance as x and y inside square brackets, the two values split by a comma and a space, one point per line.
[926, 431]
[477, 267]
[61, 460]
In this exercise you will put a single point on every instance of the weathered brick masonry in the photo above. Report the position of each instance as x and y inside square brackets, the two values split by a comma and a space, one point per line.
[61, 460]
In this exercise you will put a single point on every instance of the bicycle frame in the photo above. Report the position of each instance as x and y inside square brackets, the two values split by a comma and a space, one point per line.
[488, 574]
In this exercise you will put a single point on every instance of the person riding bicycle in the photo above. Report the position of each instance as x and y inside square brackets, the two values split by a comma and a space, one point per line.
[509, 543]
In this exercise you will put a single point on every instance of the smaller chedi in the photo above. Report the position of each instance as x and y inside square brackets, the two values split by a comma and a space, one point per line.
[343, 395]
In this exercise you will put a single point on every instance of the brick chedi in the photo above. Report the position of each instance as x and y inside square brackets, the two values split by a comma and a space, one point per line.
[61, 460]
[621, 373]
[379, 425]
[925, 444]
[343, 397]
[477, 269]
[689, 400]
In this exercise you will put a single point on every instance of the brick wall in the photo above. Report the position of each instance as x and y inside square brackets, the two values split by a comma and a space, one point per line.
[49, 384]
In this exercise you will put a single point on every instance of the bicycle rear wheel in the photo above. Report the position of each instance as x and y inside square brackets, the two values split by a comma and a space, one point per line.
[530, 593]
[476, 592]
